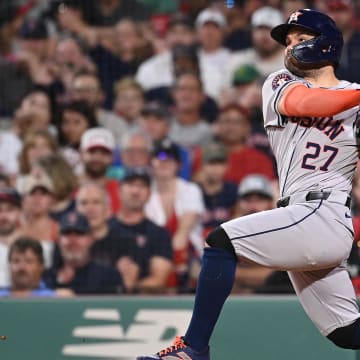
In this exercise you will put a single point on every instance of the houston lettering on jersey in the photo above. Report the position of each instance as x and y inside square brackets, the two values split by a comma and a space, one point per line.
[330, 127]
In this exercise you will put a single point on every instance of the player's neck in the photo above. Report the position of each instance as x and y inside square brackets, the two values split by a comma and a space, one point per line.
[324, 77]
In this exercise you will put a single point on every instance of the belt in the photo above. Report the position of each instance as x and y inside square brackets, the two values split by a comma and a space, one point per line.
[312, 195]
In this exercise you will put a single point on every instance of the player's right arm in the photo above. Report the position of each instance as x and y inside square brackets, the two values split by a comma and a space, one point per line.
[299, 100]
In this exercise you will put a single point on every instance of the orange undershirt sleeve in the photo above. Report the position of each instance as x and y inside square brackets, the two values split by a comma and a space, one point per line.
[303, 101]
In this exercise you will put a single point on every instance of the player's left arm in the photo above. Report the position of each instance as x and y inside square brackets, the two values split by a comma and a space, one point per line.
[299, 100]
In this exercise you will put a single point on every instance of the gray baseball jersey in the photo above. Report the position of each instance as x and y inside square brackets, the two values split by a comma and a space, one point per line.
[311, 153]
[310, 239]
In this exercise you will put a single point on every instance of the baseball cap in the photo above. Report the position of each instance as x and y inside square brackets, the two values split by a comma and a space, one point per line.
[214, 152]
[338, 5]
[33, 29]
[10, 195]
[137, 173]
[255, 184]
[156, 109]
[245, 74]
[167, 149]
[31, 182]
[211, 15]
[266, 16]
[97, 137]
[76, 222]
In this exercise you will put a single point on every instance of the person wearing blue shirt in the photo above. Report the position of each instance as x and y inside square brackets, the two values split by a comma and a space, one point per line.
[26, 263]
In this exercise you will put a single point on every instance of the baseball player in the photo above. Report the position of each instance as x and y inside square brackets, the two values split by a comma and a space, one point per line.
[311, 119]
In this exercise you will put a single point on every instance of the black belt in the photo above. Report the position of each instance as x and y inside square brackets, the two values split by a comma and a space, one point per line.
[311, 195]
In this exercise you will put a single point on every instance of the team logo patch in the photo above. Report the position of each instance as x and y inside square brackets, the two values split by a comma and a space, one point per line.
[141, 240]
[280, 80]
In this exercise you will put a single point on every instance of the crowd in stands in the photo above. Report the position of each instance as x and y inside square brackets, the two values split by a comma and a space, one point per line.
[129, 129]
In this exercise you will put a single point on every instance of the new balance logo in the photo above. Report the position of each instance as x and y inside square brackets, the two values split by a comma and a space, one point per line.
[180, 355]
[109, 337]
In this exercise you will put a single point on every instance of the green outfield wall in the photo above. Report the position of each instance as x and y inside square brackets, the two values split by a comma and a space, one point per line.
[250, 328]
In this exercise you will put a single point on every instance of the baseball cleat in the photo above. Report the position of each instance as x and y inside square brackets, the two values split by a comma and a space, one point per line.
[179, 350]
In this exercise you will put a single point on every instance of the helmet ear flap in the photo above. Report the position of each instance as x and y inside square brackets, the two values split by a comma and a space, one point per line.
[315, 53]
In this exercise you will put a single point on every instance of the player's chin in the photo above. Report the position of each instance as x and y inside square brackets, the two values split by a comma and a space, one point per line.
[297, 68]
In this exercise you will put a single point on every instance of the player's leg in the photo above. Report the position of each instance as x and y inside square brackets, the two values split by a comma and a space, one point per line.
[215, 282]
[307, 236]
[279, 238]
[328, 298]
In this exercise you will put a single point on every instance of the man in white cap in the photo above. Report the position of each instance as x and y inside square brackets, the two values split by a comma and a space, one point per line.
[210, 28]
[265, 54]
[255, 193]
[96, 147]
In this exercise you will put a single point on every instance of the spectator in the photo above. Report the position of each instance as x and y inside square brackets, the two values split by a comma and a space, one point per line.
[159, 70]
[36, 144]
[185, 59]
[10, 147]
[76, 269]
[233, 129]
[26, 263]
[36, 48]
[177, 205]
[10, 21]
[97, 146]
[239, 35]
[34, 113]
[34, 38]
[64, 180]
[70, 59]
[136, 147]
[342, 11]
[14, 76]
[147, 265]
[255, 194]
[93, 202]
[219, 195]
[246, 92]
[86, 87]
[129, 101]
[119, 54]
[211, 26]
[76, 118]
[156, 121]
[37, 191]
[10, 220]
[265, 54]
[188, 128]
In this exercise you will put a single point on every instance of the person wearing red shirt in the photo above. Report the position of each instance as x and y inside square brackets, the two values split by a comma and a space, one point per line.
[97, 146]
[233, 128]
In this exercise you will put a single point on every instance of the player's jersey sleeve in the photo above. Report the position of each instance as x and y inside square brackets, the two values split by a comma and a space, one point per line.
[272, 89]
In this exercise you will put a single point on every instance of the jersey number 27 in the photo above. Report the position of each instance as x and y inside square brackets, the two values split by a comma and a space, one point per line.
[314, 154]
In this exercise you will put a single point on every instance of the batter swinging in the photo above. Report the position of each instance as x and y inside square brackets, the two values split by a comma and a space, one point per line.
[311, 119]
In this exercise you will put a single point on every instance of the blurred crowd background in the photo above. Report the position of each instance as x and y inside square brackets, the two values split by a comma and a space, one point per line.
[129, 129]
